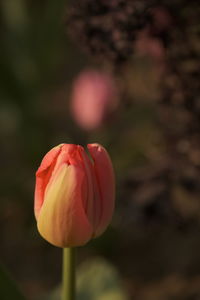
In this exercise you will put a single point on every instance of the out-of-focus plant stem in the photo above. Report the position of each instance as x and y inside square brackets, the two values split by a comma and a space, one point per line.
[68, 280]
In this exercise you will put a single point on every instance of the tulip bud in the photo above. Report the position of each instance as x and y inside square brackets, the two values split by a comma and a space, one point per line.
[74, 194]
[94, 97]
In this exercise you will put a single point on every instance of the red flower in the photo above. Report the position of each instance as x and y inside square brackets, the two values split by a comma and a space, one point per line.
[74, 195]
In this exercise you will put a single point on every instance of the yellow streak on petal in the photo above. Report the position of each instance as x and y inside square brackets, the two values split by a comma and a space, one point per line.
[57, 221]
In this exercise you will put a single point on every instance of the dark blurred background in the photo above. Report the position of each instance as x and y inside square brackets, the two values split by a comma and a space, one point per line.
[151, 49]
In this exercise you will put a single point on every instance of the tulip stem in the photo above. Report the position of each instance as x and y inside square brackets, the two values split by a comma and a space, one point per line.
[68, 284]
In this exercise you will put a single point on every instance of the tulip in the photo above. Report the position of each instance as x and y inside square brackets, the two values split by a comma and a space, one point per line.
[94, 97]
[74, 194]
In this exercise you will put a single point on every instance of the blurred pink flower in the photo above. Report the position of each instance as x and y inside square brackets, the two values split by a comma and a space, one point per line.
[94, 97]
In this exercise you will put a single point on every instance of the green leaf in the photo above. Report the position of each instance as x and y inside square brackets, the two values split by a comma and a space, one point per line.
[96, 280]
[99, 280]
[8, 288]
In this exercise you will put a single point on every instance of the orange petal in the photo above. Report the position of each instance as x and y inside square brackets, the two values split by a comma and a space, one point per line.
[43, 175]
[106, 184]
[92, 204]
[62, 220]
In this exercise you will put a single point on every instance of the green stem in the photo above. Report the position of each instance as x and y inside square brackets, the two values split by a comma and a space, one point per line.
[68, 284]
